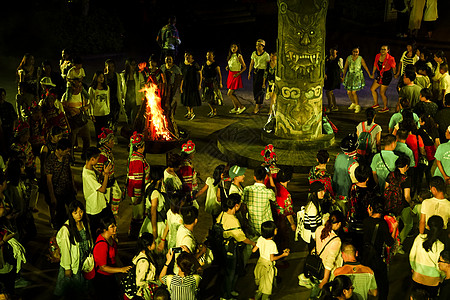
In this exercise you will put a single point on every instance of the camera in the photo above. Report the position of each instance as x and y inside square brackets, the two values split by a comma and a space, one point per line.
[177, 250]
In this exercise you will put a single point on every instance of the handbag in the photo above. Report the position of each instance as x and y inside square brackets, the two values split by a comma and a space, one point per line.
[422, 158]
[88, 267]
[78, 120]
[313, 263]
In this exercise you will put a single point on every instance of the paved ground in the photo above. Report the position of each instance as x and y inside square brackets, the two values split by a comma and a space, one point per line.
[203, 131]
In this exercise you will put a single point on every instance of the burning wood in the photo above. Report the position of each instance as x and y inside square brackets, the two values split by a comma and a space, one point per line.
[156, 122]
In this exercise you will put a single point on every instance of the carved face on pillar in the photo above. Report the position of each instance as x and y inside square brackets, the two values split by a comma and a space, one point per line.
[301, 64]
[303, 38]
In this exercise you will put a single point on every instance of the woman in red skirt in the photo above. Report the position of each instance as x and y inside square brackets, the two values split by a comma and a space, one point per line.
[236, 66]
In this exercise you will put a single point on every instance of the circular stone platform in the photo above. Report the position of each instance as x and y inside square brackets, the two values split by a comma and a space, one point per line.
[243, 142]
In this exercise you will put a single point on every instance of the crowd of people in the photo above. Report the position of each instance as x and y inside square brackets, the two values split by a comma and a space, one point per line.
[356, 220]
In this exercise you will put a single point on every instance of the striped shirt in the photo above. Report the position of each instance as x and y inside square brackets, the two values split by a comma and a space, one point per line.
[181, 288]
[362, 277]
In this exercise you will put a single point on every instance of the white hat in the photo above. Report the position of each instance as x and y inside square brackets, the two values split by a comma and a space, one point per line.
[47, 81]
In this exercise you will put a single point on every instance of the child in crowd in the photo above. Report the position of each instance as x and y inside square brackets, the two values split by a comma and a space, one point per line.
[320, 173]
[265, 270]
[187, 173]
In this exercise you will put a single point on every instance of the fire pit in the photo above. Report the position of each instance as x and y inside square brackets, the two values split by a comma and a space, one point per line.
[161, 134]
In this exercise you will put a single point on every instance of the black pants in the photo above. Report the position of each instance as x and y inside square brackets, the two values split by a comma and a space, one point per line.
[106, 287]
[258, 91]
[381, 277]
[62, 201]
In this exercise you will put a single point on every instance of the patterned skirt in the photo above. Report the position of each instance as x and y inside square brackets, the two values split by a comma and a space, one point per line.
[354, 81]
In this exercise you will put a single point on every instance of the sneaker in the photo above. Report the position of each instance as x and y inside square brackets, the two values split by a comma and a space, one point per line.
[209, 114]
[375, 106]
[241, 110]
[192, 117]
[234, 293]
[384, 110]
[187, 116]
[233, 111]
[303, 281]
[352, 106]
[213, 115]
[335, 108]
[357, 109]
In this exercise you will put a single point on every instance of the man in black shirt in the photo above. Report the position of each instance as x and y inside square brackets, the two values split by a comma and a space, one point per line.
[444, 266]
[382, 236]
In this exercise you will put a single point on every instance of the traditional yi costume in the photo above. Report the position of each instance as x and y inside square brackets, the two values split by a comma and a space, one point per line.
[113, 191]
[187, 173]
[137, 178]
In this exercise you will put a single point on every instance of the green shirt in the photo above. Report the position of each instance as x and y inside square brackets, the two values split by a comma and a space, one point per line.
[403, 148]
[380, 168]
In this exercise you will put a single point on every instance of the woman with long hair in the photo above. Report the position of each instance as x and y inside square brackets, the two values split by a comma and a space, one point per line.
[174, 220]
[132, 82]
[145, 267]
[313, 213]
[155, 205]
[211, 187]
[75, 242]
[235, 67]
[99, 98]
[424, 257]
[191, 84]
[340, 288]
[27, 73]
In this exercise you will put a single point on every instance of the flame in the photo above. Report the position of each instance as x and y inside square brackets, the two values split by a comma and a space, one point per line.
[155, 122]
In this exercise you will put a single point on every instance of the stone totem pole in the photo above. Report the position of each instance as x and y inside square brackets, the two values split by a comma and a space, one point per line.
[301, 69]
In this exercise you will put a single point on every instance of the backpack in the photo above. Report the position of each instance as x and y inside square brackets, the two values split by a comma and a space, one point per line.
[161, 215]
[128, 282]
[220, 246]
[365, 140]
[54, 252]
[394, 194]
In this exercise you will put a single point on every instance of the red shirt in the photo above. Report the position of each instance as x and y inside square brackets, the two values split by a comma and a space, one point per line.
[104, 254]
[411, 142]
[388, 62]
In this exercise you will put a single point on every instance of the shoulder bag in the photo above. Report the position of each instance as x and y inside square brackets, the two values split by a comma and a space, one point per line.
[313, 263]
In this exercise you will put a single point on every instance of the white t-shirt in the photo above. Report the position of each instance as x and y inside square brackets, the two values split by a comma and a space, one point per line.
[234, 64]
[100, 103]
[235, 190]
[266, 247]
[155, 194]
[174, 179]
[173, 221]
[444, 83]
[373, 133]
[261, 61]
[72, 74]
[95, 200]
[434, 206]
[212, 206]
[185, 237]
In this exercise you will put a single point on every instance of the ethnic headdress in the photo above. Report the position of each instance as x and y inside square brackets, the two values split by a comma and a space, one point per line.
[137, 139]
[105, 135]
[269, 154]
[188, 147]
